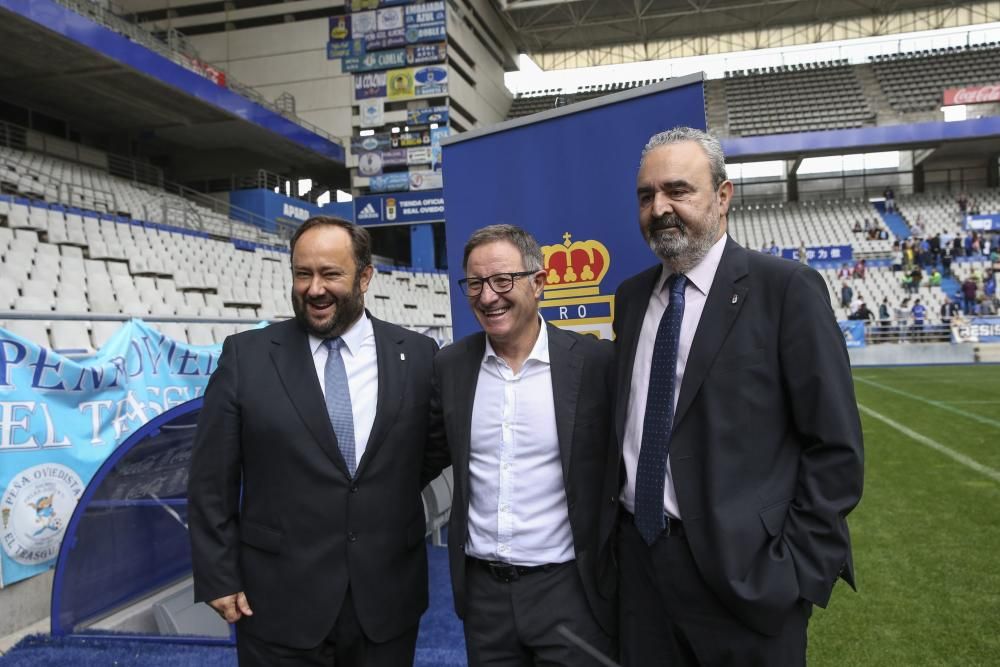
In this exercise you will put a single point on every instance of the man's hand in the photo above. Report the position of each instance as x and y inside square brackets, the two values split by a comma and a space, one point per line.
[232, 607]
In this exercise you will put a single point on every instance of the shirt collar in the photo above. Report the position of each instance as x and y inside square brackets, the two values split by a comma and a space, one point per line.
[702, 275]
[539, 352]
[353, 337]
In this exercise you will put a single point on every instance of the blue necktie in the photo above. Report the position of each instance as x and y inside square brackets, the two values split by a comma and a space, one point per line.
[338, 401]
[652, 470]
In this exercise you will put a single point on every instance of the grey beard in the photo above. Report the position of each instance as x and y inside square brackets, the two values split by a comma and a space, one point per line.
[684, 253]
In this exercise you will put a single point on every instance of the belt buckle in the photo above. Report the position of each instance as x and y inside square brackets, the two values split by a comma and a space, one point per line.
[504, 572]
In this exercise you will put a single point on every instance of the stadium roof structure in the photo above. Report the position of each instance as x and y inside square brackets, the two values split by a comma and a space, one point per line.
[549, 26]
[67, 67]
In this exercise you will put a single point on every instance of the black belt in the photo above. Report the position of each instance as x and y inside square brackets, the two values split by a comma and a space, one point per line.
[506, 572]
[671, 527]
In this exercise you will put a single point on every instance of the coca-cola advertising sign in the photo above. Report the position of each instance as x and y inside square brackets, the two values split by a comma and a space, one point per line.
[972, 95]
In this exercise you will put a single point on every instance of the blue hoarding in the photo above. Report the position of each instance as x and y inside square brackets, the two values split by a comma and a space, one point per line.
[821, 253]
[406, 207]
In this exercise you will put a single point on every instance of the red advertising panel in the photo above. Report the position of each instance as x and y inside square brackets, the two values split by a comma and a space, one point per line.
[972, 95]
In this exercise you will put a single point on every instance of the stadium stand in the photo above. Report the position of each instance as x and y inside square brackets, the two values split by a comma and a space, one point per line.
[124, 261]
[914, 81]
[796, 98]
[936, 212]
[58, 181]
[814, 223]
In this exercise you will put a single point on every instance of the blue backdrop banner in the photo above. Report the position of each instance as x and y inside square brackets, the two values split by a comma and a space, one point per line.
[60, 418]
[568, 176]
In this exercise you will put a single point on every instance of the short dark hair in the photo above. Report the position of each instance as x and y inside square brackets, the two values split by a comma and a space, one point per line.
[361, 240]
[531, 254]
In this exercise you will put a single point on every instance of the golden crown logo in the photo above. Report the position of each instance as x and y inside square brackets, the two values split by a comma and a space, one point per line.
[574, 268]
[572, 298]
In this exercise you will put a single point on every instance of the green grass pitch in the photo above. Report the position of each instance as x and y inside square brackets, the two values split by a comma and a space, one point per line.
[926, 535]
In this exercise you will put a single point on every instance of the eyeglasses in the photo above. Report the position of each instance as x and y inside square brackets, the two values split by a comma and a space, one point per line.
[500, 283]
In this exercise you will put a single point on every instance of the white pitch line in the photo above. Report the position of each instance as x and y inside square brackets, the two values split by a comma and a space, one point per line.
[938, 404]
[934, 444]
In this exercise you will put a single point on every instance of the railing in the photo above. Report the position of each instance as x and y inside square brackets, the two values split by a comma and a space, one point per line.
[906, 332]
[176, 48]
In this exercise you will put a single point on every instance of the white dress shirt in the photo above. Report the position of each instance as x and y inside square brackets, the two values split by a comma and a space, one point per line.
[517, 498]
[361, 364]
[699, 282]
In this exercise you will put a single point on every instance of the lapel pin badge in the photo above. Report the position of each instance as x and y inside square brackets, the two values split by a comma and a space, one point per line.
[402, 356]
[735, 298]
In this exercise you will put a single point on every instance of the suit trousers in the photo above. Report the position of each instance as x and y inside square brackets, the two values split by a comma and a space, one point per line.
[524, 622]
[669, 615]
[345, 646]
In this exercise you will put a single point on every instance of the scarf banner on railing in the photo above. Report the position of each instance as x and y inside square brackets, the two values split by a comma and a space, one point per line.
[61, 417]
[854, 332]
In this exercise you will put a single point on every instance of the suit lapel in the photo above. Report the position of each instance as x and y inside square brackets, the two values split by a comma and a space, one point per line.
[464, 379]
[392, 372]
[725, 300]
[293, 361]
[630, 328]
[567, 373]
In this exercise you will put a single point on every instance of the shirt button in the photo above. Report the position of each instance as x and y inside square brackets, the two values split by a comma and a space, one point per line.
[351, 537]
[354, 488]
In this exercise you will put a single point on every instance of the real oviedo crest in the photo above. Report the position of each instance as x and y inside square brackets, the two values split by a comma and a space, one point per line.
[572, 298]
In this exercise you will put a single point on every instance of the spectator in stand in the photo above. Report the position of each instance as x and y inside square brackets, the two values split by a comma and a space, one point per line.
[967, 244]
[924, 253]
[775, 251]
[857, 227]
[949, 309]
[969, 289]
[846, 294]
[890, 200]
[897, 257]
[859, 269]
[946, 260]
[935, 246]
[917, 228]
[844, 273]
[958, 245]
[917, 276]
[855, 304]
[883, 234]
[975, 247]
[919, 312]
[907, 282]
[908, 254]
[935, 279]
[990, 286]
[963, 204]
[902, 317]
[803, 253]
[884, 316]
[862, 313]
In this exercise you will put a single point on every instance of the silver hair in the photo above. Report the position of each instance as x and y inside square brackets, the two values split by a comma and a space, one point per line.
[531, 254]
[708, 143]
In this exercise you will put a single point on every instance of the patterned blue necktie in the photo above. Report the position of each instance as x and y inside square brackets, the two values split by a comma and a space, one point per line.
[652, 470]
[338, 401]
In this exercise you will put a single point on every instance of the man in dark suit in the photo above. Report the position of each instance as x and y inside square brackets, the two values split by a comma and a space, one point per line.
[526, 413]
[306, 521]
[740, 436]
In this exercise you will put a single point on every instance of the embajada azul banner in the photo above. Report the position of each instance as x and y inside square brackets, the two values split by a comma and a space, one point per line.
[61, 417]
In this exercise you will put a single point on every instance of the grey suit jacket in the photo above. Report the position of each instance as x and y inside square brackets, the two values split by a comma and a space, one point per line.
[766, 450]
[582, 378]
